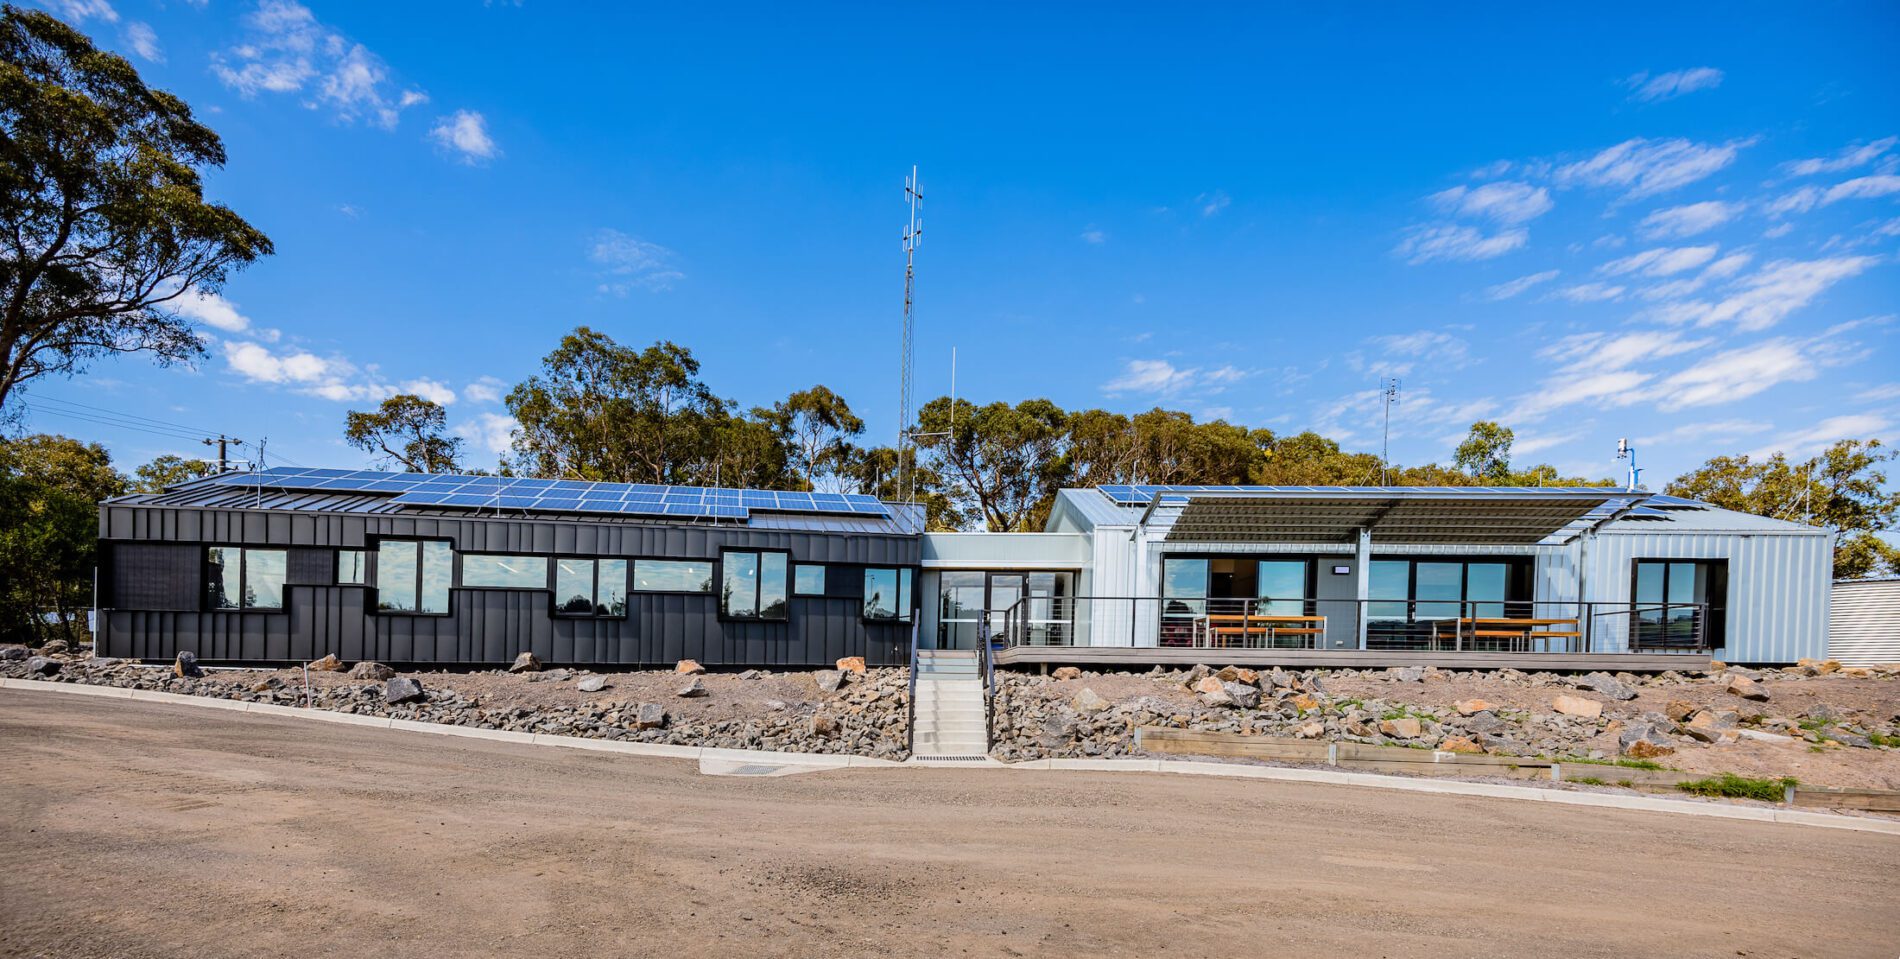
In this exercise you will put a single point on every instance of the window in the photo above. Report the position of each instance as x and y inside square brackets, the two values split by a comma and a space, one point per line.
[672, 576]
[1414, 602]
[1679, 603]
[753, 585]
[590, 587]
[239, 578]
[808, 579]
[412, 576]
[352, 567]
[504, 572]
[887, 595]
[959, 608]
[1282, 587]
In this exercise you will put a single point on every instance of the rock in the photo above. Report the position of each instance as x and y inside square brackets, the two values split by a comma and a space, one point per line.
[526, 663]
[688, 667]
[42, 665]
[55, 647]
[328, 664]
[1824, 712]
[1237, 674]
[1407, 674]
[1310, 731]
[1472, 707]
[402, 689]
[1679, 711]
[186, 666]
[649, 716]
[591, 684]
[1459, 744]
[1208, 684]
[751, 674]
[692, 690]
[1217, 698]
[1644, 741]
[775, 705]
[1067, 672]
[1608, 685]
[1304, 702]
[1088, 701]
[828, 680]
[1405, 727]
[823, 725]
[851, 664]
[1746, 688]
[1243, 695]
[1577, 706]
[1856, 672]
[1710, 726]
[13, 654]
[371, 671]
[1485, 722]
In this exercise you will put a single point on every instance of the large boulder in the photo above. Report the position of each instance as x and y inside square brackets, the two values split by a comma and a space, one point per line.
[1406, 674]
[1088, 701]
[1067, 672]
[1243, 695]
[525, 663]
[1238, 674]
[1713, 726]
[1644, 741]
[372, 671]
[55, 647]
[42, 665]
[649, 716]
[1199, 672]
[1056, 732]
[851, 664]
[692, 690]
[688, 667]
[186, 666]
[1304, 702]
[1577, 706]
[1472, 707]
[13, 654]
[1608, 685]
[1459, 744]
[591, 684]
[1208, 684]
[1679, 711]
[402, 689]
[1404, 727]
[828, 680]
[328, 664]
[1746, 688]
[823, 724]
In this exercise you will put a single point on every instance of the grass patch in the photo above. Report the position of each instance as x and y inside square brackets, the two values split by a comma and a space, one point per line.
[1731, 786]
[1649, 764]
[1586, 781]
[1891, 742]
[1626, 784]
[1815, 725]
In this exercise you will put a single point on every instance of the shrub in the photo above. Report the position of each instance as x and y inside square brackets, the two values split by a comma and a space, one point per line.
[1731, 786]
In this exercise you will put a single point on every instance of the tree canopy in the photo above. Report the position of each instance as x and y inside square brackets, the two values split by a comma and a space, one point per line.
[406, 430]
[1844, 487]
[103, 222]
[50, 488]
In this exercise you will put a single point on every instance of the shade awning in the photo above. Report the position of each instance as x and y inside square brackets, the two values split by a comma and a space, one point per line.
[1481, 517]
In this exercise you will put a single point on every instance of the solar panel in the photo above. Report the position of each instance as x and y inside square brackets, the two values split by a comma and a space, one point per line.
[561, 496]
[1143, 494]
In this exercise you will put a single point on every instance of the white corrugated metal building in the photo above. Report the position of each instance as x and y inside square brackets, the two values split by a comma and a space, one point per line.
[1864, 629]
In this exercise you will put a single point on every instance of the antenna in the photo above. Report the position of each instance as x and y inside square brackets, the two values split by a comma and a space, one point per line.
[1389, 393]
[913, 234]
[260, 470]
[1624, 451]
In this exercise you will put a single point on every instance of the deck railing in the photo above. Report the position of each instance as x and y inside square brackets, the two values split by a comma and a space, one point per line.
[1524, 626]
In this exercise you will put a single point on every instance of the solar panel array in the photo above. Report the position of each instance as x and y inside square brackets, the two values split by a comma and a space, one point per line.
[560, 496]
[1142, 495]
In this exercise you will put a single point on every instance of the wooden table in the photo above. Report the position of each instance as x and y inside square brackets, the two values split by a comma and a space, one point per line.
[1213, 627]
[1515, 628]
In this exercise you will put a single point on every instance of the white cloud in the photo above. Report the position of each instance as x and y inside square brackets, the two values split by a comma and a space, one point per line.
[1862, 188]
[1596, 368]
[1402, 353]
[211, 309]
[1539, 442]
[1797, 201]
[430, 390]
[465, 132]
[1212, 203]
[1094, 235]
[257, 363]
[1880, 394]
[1770, 294]
[1663, 261]
[1615, 351]
[1665, 86]
[1504, 291]
[332, 378]
[1506, 202]
[1647, 167]
[286, 48]
[1423, 244]
[1849, 158]
[1777, 231]
[144, 41]
[1589, 292]
[628, 261]
[1737, 374]
[1705, 433]
[79, 11]
[1689, 220]
[1721, 269]
[494, 432]
[1163, 377]
[488, 389]
[1803, 443]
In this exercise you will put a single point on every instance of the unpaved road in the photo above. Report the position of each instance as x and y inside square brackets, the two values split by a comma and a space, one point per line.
[135, 829]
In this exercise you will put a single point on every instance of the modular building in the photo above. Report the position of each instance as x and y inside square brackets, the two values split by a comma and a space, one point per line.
[290, 564]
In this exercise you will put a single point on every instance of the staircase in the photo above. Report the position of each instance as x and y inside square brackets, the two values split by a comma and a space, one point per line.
[950, 722]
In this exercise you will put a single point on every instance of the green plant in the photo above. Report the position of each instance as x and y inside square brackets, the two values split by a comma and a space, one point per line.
[1881, 739]
[1813, 724]
[1649, 764]
[1626, 784]
[1731, 786]
[1586, 781]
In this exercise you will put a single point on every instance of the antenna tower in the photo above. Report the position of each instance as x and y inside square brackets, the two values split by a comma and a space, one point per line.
[913, 233]
[1389, 394]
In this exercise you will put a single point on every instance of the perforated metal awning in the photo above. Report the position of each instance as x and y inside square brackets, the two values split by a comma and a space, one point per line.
[1476, 516]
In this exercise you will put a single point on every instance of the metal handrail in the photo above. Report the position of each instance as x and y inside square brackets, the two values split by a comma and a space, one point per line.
[910, 724]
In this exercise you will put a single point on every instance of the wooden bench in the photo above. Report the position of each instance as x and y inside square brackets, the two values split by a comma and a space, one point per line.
[1243, 627]
[1527, 629]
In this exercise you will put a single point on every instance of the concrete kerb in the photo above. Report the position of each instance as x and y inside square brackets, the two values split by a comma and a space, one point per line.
[1329, 777]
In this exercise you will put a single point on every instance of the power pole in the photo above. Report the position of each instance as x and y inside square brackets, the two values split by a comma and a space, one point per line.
[222, 442]
[913, 233]
[1389, 393]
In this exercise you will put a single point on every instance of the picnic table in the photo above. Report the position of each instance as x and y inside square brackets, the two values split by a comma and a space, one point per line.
[1519, 632]
[1238, 629]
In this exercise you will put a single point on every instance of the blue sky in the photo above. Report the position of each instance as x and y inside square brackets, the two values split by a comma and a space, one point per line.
[1675, 224]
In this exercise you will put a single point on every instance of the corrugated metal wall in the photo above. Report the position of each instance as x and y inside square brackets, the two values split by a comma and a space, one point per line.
[1864, 627]
[484, 625]
[1778, 585]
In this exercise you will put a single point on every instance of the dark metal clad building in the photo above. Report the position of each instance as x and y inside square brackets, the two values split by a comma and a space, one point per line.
[290, 565]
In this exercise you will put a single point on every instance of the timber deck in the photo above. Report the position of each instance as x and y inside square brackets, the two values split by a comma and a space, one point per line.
[1180, 656]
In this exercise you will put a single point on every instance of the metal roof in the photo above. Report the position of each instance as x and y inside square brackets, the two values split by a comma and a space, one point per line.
[1391, 517]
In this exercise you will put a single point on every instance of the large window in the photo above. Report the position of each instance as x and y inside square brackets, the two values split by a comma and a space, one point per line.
[960, 606]
[672, 576]
[752, 584]
[590, 587]
[1679, 603]
[887, 595]
[504, 572]
[808, 579]
[1415, 602]
[239, 578]
[412, 576]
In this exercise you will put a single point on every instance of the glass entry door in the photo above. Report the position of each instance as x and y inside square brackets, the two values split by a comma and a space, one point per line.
[1006, 589]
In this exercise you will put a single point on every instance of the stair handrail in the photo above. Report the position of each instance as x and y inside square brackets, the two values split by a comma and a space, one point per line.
[910, 728]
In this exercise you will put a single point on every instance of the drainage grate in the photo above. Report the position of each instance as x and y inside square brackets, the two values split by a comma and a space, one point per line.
[950, 759]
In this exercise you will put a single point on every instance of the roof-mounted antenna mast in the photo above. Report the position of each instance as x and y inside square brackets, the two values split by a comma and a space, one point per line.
[913, 233]
[1624, 451]
[1389, 394]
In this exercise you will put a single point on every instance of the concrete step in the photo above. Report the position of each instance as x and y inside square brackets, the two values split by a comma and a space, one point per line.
[972, 745]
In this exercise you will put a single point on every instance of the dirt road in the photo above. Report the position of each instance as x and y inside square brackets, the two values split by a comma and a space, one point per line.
[133, 829]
